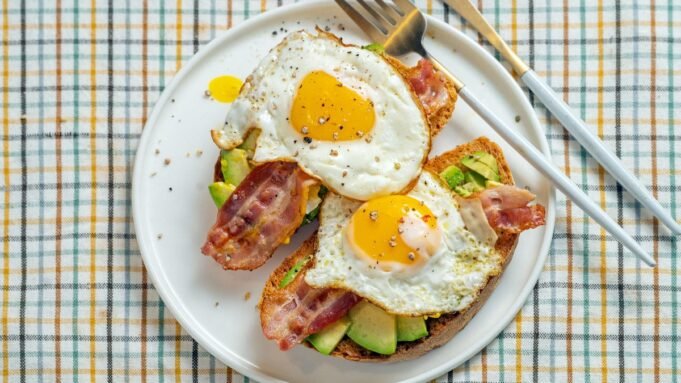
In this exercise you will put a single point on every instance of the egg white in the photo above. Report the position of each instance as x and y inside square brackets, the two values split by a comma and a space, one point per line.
[449, 281]
[383, 162]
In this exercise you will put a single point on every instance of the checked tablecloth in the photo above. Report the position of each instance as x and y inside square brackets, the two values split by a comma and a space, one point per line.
[79, 78]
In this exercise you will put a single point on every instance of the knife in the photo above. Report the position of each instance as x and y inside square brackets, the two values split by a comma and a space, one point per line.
[567, 117]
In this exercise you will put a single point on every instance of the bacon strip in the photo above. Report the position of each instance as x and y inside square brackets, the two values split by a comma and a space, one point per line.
[506, 208]
[264, 210]
[429, 85]
[302, 310]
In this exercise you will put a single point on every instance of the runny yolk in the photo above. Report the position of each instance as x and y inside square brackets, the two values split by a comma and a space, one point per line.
[325, 109]
[225, 88]
[393, 230]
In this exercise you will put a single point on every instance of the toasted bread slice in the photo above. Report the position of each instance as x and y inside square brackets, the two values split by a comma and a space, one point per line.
[440, 330]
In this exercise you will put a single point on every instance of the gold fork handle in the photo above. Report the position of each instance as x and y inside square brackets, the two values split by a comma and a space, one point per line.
[472, 15]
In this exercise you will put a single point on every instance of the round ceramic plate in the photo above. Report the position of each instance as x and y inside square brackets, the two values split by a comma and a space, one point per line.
[173, 210]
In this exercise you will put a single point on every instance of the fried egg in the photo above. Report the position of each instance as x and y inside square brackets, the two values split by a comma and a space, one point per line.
[410, 254]
[342, 113]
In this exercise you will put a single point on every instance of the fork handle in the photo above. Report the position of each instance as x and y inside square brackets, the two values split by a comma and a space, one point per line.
[559, 180]
[578, 129]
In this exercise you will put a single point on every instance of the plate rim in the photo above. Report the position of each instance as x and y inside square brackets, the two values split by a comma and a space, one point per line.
[171, 299]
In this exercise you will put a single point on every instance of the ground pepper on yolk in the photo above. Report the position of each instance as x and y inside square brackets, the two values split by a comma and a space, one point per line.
[374, 230]
[325, 109]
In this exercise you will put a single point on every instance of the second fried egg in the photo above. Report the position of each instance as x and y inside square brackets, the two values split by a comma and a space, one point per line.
[410, 254]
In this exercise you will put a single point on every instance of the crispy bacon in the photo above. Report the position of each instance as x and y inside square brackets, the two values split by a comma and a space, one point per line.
[429, 85]
[264, 210]
[506, 208]
[301, 310]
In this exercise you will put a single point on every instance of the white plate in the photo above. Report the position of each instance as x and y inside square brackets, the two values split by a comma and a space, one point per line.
[209, 302]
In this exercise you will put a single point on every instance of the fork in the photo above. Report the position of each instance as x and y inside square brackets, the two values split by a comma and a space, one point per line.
[399, 26]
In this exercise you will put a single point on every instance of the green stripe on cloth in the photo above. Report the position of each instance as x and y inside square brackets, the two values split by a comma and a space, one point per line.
[77, 305]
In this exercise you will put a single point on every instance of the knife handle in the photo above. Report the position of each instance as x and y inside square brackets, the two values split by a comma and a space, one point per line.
[578, 129]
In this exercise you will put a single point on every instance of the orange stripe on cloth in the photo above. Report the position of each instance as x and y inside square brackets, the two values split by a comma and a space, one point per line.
[519, 317]
[568, 204]
[178, 35]
[178, 64]
[6, 178]
[656, 228]
[602, 198]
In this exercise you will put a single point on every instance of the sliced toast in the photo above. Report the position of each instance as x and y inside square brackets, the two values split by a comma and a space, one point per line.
[440, 329]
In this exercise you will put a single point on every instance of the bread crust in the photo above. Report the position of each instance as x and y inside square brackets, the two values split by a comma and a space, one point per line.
[440, 330]
[441, 116]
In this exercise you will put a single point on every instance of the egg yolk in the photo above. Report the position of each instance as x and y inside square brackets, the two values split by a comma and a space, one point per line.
[325, 109]
[225, 88]
[393, 230]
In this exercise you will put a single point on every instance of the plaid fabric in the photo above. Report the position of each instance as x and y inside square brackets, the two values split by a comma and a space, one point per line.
[79, 79]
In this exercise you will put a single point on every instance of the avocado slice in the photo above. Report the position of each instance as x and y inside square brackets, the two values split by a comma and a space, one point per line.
[476, 179]
[234, 165]
[410, 328]
[488, 160]
[327, 339]
[220, 191]
[469, 188]
[293, 271]
[453, 176]
[375, 47]
[373, 328]
[250, 142]
[464, 192]
[482, 163]
[312, 214]
[492, 184]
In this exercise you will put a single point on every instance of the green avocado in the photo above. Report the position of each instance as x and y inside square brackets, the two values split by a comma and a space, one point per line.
[453, 176]
[234, 165]
[249, 143]
[482, 163]
[492, 184]
[312, 215]
[488, 160]
[375, 47]
[373, 328]
[327, 339]
[220, 191]
[469, 188]
[410, 328]
[464, 192]
[291, 274]
[476, 179]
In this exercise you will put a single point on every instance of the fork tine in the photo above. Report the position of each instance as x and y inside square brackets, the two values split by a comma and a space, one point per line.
[377, 20]
[376, 34]
[379, 17]
[389, 10]
[405, 6]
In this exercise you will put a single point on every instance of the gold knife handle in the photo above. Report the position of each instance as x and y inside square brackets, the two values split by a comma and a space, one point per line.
[473, 16]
